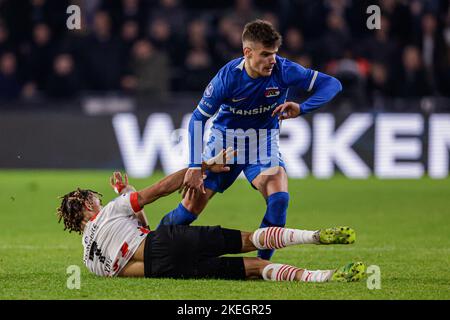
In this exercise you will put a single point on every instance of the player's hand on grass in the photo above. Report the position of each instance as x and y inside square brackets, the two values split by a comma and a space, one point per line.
[118, 182]
[218, 163]
[193, 183]
[287, 110]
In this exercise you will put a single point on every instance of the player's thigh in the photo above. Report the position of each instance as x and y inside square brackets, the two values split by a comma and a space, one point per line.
[178, 251]
[229, 268]
[185, 242]
[271, 181]
[216, 241]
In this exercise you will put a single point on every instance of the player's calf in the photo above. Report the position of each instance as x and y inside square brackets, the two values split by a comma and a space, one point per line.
[275, 216]
[277, 237]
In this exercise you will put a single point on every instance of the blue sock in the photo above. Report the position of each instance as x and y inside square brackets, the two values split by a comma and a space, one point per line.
[277, 204]
[179, 216]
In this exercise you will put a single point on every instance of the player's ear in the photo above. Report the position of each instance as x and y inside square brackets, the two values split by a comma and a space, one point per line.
[88, 205]
[247, 52]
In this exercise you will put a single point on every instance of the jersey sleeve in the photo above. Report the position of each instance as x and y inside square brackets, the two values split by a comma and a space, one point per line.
[210, 103]
[213, 96]
[295, 75]
[324, 87]
[126, 205]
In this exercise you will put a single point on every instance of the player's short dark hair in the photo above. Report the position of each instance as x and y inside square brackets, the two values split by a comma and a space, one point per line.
[263, 32]
[71, 208]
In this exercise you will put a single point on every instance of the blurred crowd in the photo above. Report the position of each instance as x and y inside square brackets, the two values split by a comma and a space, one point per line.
[156, 48]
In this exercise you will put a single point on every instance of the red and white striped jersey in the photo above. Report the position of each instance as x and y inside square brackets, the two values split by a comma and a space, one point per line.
[112, 236]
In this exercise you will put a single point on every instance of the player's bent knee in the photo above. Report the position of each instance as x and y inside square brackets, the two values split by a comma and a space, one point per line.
[270, 180]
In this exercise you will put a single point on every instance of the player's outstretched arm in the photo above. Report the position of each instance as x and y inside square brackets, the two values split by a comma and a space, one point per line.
[162, 188]
[175, 181]
[324, 88]
[207, 107]
[193, 176]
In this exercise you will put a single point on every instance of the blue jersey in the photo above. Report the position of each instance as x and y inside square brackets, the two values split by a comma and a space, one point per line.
[237, 101]
[242, 102]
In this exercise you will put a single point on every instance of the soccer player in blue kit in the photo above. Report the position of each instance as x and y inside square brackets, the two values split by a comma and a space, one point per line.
[249, 93]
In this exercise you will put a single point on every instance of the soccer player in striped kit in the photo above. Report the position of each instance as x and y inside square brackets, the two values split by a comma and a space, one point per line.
[118, 242]
[249, 94]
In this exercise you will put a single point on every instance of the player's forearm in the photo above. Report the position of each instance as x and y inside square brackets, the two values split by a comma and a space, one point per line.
[196, 128]
[325, 89]
[162, 188]
[172, 182]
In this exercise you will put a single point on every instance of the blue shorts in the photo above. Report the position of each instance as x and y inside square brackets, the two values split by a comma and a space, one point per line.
[219, 182]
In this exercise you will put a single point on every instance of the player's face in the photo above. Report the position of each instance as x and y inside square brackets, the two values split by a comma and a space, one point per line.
[94, 203]
[261, 60]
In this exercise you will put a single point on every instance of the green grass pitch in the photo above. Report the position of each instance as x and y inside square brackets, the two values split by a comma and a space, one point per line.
[402, 226]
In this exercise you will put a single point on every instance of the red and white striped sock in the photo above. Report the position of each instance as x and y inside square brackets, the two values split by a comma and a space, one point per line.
[316, 275]
[280, 272]
[276, 237]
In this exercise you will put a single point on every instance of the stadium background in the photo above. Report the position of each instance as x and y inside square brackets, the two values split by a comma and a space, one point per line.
[146, 57]
[149, 62]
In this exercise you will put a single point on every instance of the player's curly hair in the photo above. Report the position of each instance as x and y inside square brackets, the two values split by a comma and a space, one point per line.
[71, 208]
[262, 31]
